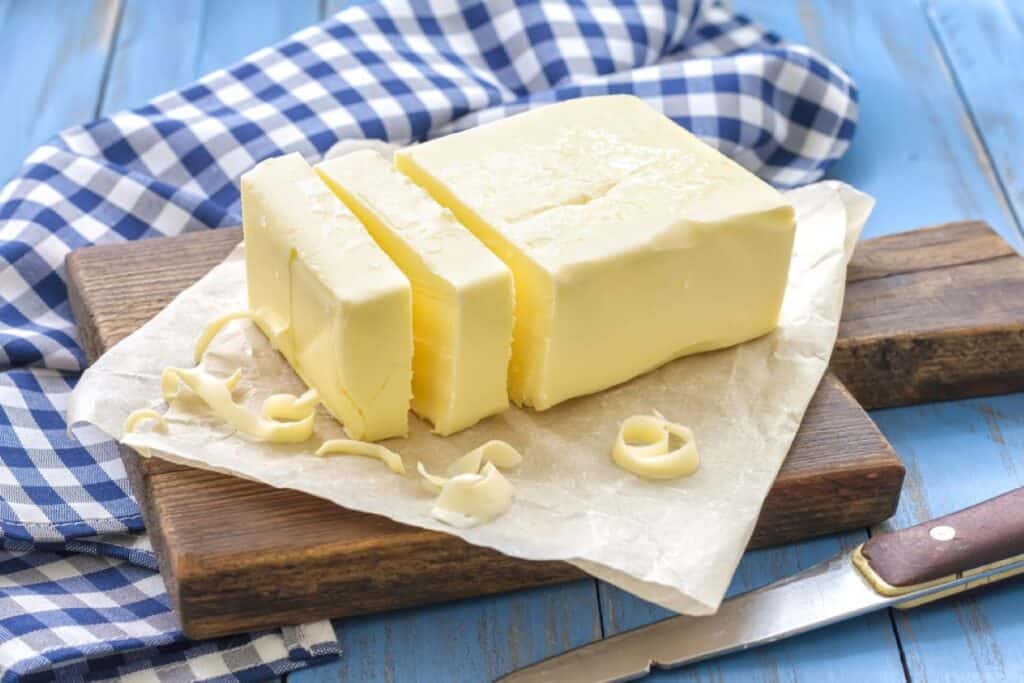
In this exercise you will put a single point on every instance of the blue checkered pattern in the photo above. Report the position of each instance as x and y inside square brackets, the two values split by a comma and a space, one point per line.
[399, 72]
[99, 610]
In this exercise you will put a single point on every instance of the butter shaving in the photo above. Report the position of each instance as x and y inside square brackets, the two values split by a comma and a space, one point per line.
[365, 448]
[137, 416]
[499, 452]
[431, 482]
[474, 491]
[213, 329]
[642, 447]
[216, 393]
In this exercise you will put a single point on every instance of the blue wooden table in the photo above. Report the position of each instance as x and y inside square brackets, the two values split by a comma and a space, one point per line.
[941, 84]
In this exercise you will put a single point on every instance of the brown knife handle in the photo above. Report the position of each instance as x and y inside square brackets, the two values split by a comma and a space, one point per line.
[981, 535]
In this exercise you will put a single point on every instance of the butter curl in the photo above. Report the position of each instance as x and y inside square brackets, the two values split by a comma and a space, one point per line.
[137, 416]
[642, 447]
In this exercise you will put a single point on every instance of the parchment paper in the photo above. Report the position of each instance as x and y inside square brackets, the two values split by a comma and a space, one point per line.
[676, 543]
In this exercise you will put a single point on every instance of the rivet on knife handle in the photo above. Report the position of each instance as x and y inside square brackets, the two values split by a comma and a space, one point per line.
[967, 542]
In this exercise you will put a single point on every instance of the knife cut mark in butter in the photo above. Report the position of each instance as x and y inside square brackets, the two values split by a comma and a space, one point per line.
[606, 210]
[462, 294]
[642, 447]
[370, 450]
[216, 393]
[474, 491]
[215, 326]
[334, 304]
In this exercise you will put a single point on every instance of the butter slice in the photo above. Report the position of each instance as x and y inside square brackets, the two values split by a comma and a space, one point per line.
[631, 242]
[330, 299]
[463, 296]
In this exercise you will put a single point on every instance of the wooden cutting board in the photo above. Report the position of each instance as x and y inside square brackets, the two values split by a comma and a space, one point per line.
[930, 314]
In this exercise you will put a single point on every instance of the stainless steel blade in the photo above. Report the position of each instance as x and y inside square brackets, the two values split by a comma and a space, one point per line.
[824, 594]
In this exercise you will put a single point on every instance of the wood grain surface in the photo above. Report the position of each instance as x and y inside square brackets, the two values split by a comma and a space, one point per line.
[897, 345]
[53, 64]
[841, 474]
[163, 45]
[982, 40]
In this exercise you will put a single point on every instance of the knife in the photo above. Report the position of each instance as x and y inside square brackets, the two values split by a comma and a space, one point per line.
[970, 548]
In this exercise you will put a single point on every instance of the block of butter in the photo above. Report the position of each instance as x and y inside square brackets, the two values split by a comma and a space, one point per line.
[463, 296]
[631, 242]
[335, 304]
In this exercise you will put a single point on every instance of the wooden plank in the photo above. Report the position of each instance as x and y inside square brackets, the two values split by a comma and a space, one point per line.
[918, 282]
[918, 153]
[915, 149]
[820, 488]
[55, 55]
[958, 454]
[162, 46]
[215, 563]
[981, 41]
[965, 452]
[185, 497]
[207, 590]
[233, 29]
[332, 7]
[279, 526]
[473, 640]
[157, 50]
[844, 652]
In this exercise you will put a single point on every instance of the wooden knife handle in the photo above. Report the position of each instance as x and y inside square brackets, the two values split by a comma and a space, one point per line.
[988, 533]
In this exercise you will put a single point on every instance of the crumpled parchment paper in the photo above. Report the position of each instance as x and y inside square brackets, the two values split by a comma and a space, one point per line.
[676, 543]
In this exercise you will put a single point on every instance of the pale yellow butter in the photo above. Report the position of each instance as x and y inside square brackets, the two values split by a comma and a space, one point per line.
[631, 242]
[329, 298]
[463, 296]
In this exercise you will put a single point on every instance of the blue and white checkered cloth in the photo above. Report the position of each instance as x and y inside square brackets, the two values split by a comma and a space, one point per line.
[79, 594]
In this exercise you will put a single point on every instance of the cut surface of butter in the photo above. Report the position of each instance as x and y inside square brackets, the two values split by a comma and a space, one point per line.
[631, 242]
[329, 298]
[463, 299]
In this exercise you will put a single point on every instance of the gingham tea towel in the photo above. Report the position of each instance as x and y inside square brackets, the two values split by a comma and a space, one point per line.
[76, 599]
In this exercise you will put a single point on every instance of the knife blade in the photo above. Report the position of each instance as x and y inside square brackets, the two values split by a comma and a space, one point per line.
[903, 569]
